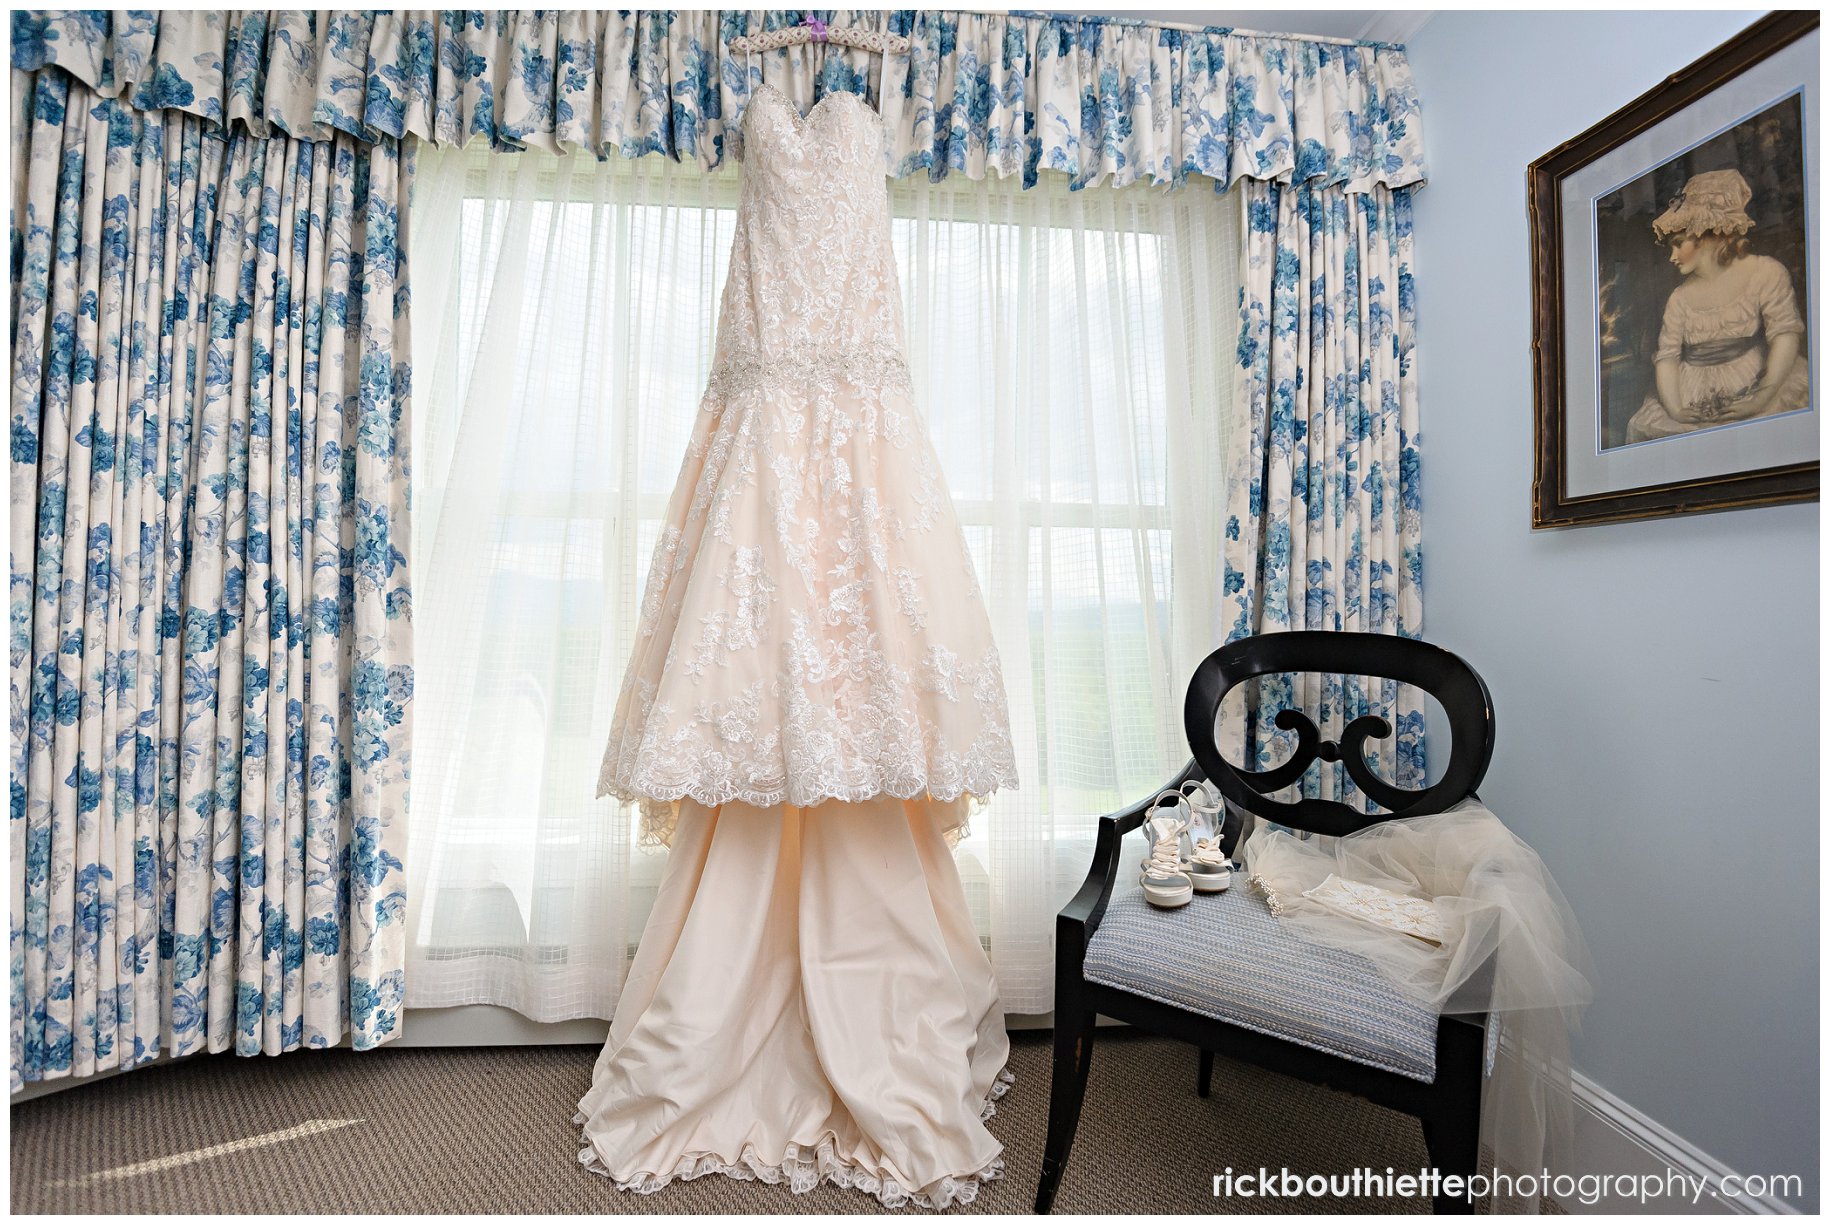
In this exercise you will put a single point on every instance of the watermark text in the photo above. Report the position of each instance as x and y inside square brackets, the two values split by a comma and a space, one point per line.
[1586, 1189]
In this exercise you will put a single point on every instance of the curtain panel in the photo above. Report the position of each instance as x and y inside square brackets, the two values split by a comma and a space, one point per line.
[978, 93]
[1323, 528]
[210, 647]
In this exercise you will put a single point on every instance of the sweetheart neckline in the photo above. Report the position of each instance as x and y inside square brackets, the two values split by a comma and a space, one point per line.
[801, 121]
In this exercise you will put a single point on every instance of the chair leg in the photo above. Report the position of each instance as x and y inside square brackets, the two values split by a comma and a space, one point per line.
[1452, 1131]
[1454, 1149]
[1067, 1089]
[1205, 1080]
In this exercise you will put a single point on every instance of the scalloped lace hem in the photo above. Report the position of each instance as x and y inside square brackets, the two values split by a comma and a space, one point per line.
[805, 1167]
[660, 815]
[636, 790]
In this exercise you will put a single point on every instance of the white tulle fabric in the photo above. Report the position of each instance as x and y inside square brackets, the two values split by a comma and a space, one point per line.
[812, 628]
[810, 1002]
[1509, 948]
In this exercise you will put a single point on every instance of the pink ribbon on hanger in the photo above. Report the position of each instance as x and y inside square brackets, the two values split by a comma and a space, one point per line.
[818, 27]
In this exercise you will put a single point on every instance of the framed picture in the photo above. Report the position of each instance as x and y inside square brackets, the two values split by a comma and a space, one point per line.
[1674, 292]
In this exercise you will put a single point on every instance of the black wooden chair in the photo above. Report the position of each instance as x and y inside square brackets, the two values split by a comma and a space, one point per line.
[1222, 974]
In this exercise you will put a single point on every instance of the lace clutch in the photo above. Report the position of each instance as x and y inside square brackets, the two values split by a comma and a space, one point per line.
[1399, 912]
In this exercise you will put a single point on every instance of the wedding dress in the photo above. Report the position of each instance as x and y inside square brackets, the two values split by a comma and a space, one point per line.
[813, 702]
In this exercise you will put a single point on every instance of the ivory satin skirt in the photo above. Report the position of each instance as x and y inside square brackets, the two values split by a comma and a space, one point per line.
[809, 1002]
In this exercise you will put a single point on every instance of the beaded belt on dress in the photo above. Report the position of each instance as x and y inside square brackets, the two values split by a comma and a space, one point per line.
[880, 366]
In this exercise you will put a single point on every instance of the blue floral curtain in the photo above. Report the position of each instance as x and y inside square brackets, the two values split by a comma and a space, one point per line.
[977, 93]
[210, 641]
[211, 671]
[1323, 522]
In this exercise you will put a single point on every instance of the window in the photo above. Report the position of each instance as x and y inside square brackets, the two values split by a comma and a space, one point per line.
[1072, 354]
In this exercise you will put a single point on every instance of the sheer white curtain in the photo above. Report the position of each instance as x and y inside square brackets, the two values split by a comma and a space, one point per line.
[1073, 353]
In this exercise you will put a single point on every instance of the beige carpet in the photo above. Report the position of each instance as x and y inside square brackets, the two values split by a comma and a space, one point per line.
[488, 1130]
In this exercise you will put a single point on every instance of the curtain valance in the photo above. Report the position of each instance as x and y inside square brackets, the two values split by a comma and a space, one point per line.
[977, 92]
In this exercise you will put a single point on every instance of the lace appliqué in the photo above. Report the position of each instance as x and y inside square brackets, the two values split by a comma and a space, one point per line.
[806, 751]
[805, 1166]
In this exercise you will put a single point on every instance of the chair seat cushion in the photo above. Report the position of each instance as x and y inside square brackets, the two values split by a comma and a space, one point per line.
[1226, 956]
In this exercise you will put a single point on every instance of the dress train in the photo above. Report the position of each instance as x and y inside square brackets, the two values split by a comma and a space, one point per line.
[809, 1002]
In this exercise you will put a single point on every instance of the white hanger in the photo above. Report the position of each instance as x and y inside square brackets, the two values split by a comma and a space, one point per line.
[816, 31]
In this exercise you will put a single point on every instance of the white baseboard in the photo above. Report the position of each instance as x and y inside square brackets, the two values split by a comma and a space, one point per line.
[1612, 1139]
[44, 1088]
[488, 1025]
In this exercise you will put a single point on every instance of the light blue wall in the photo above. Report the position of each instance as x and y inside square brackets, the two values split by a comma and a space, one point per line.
[1656, 683]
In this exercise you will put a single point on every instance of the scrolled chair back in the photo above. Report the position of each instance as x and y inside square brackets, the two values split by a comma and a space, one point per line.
[1442, 674]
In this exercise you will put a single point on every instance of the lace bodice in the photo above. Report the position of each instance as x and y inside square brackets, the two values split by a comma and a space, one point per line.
[813, 275]
[812, 628]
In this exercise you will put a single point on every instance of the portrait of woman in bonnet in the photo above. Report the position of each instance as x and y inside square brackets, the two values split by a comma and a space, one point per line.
[1730, 340]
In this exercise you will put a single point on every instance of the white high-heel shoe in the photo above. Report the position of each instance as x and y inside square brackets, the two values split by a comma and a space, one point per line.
[1207, 864]
[1166, 884]
[1177, 803]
